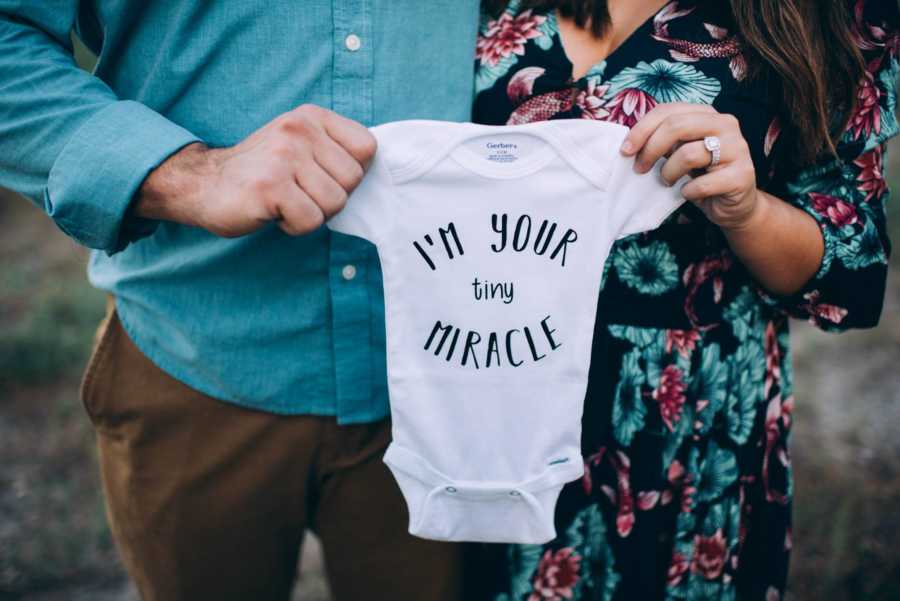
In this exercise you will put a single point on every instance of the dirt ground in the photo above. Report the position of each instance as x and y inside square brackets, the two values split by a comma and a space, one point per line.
[54, 544]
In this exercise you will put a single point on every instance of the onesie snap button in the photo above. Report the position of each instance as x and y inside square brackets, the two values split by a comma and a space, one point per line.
[348, 272]
[450, 489]
[515, 493]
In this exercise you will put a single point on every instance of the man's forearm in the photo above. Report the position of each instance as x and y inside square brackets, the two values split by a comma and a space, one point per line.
[171, 191]
[296, 171]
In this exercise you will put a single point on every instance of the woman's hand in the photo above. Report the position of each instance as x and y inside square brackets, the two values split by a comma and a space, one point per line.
[780, 244]
[726, 193]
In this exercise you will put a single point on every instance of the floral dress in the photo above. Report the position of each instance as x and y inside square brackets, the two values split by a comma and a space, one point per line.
[687, 490]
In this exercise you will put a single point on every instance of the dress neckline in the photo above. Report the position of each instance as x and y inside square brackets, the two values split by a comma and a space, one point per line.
[600, 65]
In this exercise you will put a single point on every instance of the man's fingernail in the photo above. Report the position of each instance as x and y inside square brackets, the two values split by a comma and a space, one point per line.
[627, 147]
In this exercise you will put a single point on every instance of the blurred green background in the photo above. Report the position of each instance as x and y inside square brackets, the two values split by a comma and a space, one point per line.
[54, 543]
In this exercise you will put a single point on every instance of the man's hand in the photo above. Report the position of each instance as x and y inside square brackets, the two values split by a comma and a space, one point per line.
[297, 171]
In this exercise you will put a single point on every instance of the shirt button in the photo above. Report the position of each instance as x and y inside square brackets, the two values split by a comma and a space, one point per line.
[352, 42]
[348, 272]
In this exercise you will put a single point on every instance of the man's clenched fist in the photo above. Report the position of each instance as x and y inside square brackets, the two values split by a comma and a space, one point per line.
[297, 171]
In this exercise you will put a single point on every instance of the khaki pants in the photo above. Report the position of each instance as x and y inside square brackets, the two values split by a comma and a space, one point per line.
[209, 501]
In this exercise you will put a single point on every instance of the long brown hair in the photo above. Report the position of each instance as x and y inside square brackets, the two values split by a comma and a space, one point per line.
[809, 45]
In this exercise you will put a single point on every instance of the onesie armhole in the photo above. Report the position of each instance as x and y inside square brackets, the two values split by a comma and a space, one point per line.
[662, 200]
[388, 203]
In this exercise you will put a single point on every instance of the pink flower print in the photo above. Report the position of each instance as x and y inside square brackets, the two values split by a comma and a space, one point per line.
[772, 135]
[867, 118]
[591, 101]
[542, 107]
[710, 554]
[556, 575]
[687, 497]
[670, 395]
[836, 210]
[819, 311]
[507, 36]
[773, 358]
[676, 478]
[647, 499]
[696, 275]
[684, 341]
[629, 106]
[587, 480]
[871, 178]
[774, 424]
[679, 481]
[522, 83]
[869, 36]
[625, 517]
[677, 569]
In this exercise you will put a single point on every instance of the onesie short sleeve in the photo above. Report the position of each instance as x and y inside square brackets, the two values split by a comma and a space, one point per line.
[367, 213]
[642, 203]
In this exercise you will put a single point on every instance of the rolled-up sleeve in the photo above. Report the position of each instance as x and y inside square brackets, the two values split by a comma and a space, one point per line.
[847, 195]
[66, 141]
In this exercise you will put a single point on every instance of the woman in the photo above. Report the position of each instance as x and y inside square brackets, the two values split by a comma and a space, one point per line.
[687, 491]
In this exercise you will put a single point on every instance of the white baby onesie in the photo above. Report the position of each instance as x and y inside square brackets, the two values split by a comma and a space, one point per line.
[492, 242]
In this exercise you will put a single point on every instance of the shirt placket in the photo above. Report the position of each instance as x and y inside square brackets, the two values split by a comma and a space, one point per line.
[348, 269]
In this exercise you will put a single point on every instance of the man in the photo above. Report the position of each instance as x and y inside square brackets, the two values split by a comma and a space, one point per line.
[238, 385]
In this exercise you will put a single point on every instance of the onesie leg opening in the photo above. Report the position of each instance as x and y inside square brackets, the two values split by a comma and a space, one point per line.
[443, 509]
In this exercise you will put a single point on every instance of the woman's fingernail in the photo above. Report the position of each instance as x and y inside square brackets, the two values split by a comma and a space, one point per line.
[627, 147]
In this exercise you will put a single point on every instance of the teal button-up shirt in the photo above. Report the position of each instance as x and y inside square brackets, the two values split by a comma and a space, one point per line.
[287, 325]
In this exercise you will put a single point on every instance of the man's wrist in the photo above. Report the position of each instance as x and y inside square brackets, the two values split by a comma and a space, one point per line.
[172, 191]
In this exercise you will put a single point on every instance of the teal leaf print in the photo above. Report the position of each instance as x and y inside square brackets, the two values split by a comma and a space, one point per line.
[715, 519]
[719, 470]
[675, 437]
[488, 74]
[629, 411]
[746, 388]
[587, 535]
[549, 29]
[667, 82]
[655, 359]
[523, 560]
[709, 386]
[728, 594]
[734, 523]
[743, 314]
[649, 269]
[889, 124]
[704, 590]
[862, 250]
[639, 337]
[740, 415]
[595, 74]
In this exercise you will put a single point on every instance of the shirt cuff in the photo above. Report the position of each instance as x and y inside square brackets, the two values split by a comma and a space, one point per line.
[101, 167]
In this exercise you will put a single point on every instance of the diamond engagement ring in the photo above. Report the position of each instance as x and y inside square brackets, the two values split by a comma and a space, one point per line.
[714, 146]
